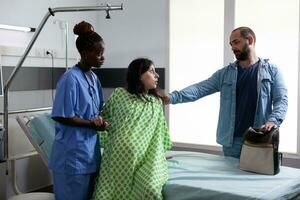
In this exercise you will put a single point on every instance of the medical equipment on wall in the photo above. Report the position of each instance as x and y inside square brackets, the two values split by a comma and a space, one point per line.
[17, 28]
[64, 26]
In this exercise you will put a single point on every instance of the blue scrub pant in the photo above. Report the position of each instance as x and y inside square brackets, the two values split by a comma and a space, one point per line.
[73, 186]
[235, 149]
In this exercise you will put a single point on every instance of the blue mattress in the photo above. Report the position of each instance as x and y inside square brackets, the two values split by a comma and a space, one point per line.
[194, 176]
[40, 130]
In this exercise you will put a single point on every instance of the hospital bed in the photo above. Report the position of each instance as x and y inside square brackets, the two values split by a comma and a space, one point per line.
[41, 139]
[39, 129]
[192, 175]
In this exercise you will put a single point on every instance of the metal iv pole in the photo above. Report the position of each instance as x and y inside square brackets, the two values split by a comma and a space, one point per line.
[50, 12]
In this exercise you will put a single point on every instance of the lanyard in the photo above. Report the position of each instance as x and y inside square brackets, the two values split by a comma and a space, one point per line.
[89, 78]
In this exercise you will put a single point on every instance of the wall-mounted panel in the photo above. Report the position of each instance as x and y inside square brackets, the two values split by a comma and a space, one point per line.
[44, 78]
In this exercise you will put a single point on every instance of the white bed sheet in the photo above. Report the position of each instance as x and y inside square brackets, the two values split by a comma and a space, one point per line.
[194, 176]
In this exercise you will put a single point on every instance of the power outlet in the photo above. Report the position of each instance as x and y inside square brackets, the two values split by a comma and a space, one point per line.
[47, 52]
[50, 52]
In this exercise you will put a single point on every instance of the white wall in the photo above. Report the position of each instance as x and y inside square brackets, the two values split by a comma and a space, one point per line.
[141, 29]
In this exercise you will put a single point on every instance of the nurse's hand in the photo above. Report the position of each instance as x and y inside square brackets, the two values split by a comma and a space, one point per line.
[99, 123]
[105, 124]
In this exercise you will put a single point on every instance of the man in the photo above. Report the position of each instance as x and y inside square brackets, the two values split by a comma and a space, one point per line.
[252, 93]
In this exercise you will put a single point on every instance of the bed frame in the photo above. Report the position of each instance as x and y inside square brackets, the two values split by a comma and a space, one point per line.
[192, 175]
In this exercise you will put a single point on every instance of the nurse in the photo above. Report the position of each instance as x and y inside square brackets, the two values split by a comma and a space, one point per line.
[75, 156]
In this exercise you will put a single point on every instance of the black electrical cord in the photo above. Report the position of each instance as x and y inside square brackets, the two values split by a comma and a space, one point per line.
[52, 73]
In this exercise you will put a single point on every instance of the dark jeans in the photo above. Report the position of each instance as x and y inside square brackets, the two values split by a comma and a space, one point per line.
[235, 149]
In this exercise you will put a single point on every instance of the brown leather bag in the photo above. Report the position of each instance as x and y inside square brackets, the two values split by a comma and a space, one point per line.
[259, 151]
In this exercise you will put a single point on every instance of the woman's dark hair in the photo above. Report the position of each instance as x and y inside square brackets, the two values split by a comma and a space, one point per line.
[134, 72]
[87, 37]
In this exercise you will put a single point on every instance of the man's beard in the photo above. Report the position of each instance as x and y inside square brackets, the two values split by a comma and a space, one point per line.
[243, 54]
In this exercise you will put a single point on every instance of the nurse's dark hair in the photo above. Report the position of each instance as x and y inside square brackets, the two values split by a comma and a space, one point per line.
[87, 37]
[133, 78]
[245, 32]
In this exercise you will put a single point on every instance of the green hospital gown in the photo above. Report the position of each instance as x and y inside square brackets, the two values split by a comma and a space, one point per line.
[133, 165]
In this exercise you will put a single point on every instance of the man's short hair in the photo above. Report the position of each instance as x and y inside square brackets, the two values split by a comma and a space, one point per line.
[245, 32]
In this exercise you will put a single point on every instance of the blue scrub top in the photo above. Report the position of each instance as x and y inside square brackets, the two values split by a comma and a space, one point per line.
[76, 150]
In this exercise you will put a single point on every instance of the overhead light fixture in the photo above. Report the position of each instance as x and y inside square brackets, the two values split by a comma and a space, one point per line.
[17, 28]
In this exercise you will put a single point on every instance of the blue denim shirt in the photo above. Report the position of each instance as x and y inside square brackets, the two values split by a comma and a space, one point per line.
[272, 101]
